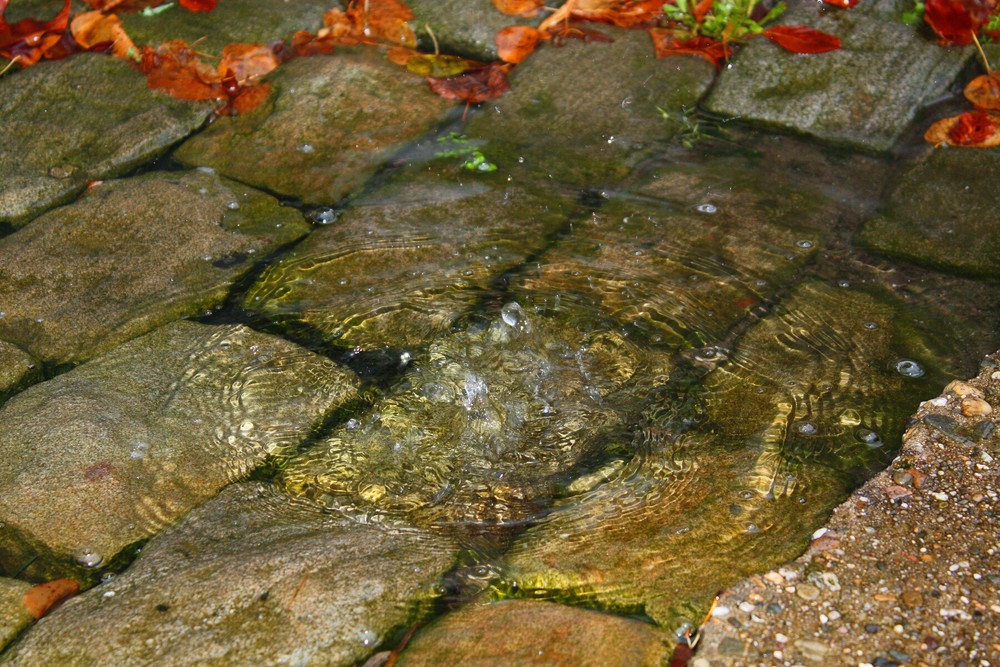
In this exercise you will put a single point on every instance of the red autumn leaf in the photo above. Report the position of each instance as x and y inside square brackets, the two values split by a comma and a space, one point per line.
[801, 39]
[973, 129]
[846, 4]
[525, 8]
[702, 9]
[97, 31]
[474, 87]
[984, 91]
[665, 44]
[516, 42]
[955, 21]
[176, 69]
[41, 599]
[198, 5]
[123, 6]
[30, 40]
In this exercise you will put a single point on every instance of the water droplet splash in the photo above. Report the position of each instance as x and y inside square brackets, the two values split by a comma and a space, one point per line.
[707, 208]
[869, 437]
[88, 557]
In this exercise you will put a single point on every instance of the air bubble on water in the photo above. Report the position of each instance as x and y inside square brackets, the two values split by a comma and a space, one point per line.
[475, 387]
[325, 216]
[706, 208]
[368, 637]
[753, 528]
[353, 424]
[806, 428]
[106, 577]
[206, 170]
[305, 148]
[88, 557]
[139, 450]
[871, 325]
[343, 281]
[233, 205]
[611, 139]
[804, 244]
[843, 283]
[203, 191]
[246, 426]
[405, 358]
[520, 160]
[909, 368]
[868, 437]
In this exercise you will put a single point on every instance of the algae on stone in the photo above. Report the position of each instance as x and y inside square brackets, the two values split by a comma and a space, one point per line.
[14, 617]
[585, 113]
[132, 255]
[943, 213]
[679, 278]
[116, 123]
[249, 577]
[806, 400]
[17, 370]
[399, 266]
[330, 124]
[262, 21]
[523, 633]
[863, 95]
[462, 27]
[130, 441]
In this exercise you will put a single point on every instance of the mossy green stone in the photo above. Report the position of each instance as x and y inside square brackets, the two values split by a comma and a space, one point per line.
[864, 95]
[250, 578]
[232, 21]
[330, 124]
[132, 255]
[943, 213]
[17, 370]
[399, 266]
[524, 633]
[14, 617]
[130, 441]
[585, 113]
[85, 118]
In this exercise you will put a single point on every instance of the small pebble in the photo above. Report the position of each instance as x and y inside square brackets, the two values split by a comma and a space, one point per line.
[975, 407]
[902, 478]
[807, 592]
[872, 628]
[780, 638]
[775, 578]
[774, 608]
[912, 598]
[961, 389]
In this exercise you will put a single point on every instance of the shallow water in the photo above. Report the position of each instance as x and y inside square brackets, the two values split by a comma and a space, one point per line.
[622, 398]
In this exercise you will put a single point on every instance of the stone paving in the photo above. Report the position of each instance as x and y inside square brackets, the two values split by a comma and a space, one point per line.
[309, 385]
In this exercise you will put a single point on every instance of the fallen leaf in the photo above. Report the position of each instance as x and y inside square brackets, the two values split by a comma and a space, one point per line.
[525, 8]
[516, 42]
[198, 5]
[97, 31]
[473, 87]
[123, 6]
[801, 39]
[846, 4]
[956, 21]
[973, 129]
[666, 44]
[41, 599]
[984, 91]
[622, 13]
[248, 61]
[176, 69]
[30, 40]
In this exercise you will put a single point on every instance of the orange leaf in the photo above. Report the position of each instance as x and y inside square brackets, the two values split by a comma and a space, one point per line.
[516, 42]
[665, 44]
[702, 9]
[41, 599]
[473, 87]
[247, 61]
[801, 39]
[177, 70]
[123, 6]
[96, 31]
[31, 39]
[525, 8]
[973, 129]
[846, 4]
[984, 91]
